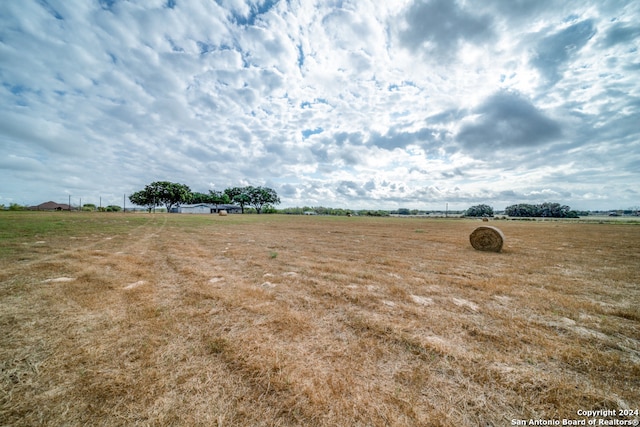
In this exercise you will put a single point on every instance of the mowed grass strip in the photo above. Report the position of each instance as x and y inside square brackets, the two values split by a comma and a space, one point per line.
[137, 319]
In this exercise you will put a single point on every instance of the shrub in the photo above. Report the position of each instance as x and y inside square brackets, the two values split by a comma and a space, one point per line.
[479, 210]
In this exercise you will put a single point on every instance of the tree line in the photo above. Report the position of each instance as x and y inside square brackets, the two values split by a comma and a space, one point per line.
[543, 210]
[171, 194]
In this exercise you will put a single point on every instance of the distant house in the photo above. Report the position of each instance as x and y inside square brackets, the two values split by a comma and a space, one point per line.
[50, 206]
[207, 208]
[198, 208]
[232, 209]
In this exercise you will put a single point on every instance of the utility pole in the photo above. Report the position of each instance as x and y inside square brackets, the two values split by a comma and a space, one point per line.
[124, 203]
[69, 202]
[446, 211]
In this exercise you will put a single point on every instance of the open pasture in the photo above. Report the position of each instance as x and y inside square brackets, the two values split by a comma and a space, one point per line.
[271, 320]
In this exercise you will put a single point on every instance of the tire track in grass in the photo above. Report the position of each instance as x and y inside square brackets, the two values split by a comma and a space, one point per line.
[75, 250]
[86, 354]
[50, 329]
[167, 310]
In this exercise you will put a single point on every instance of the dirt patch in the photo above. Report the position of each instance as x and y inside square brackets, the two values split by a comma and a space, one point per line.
[421, 300]
[135, 284]
[59, 280]
[461, 302]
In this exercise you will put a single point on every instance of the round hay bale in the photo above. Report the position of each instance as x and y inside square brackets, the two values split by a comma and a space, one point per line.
[487, 238]
[222, 212]
[485, 219]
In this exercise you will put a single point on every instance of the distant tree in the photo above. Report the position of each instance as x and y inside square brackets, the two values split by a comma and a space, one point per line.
[89, 207]
[521, 210]
[113, 208]
[292, 211]
[260, 197]
[238, 195]
[170, 194]
[479, 210]
[143, 198]
[544, 210]
[16, 207]
[373, 213]
[200, 198]
[160, 193]
[219, 197]
[338, 211]
[319, 210]
[554, 210]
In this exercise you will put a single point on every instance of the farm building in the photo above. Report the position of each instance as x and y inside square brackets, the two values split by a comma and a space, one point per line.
[207, 208]
[50, 206]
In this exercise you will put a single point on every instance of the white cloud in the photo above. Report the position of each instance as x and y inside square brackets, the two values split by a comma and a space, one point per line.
[370, 103]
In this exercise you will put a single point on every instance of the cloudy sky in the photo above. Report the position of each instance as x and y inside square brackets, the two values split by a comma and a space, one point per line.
[361, 104]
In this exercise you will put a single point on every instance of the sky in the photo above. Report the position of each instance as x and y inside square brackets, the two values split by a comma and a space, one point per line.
[363, 104]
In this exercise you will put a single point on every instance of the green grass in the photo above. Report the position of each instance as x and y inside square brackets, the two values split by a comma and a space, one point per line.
[20, 231]
[45, 224]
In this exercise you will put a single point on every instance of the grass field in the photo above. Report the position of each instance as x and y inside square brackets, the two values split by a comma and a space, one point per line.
[136, 319]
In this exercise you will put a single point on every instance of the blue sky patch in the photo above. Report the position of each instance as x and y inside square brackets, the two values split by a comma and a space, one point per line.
[308, 132]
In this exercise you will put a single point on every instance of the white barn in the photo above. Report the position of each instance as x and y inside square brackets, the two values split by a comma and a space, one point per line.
[198, 208]
[207, 208]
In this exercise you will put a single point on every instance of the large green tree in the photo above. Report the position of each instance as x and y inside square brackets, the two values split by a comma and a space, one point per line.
[160, 193]
[479, 210]
[238, 195]
[219, 197]
[171, 194]
[260, 197]
[197, 197]
[143, 198]
[546, 209]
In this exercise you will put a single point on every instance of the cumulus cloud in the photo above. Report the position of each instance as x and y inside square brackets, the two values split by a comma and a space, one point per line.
[554, 50]
[400, 138]
[438, 28]
[621, 32]
[370, 104]
[506, 121]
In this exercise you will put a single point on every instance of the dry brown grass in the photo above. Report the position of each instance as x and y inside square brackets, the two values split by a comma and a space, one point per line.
[280, 320]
